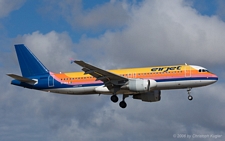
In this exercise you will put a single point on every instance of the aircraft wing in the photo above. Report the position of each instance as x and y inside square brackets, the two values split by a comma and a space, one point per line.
[110, 79]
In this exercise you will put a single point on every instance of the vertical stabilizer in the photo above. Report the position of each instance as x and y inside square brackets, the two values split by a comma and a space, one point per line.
[29, 63]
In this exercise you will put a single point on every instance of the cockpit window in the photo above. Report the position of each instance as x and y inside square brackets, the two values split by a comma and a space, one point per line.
[203, 70]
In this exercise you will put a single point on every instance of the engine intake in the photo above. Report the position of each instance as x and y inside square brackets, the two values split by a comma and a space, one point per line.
[141, 85]
[151, 96]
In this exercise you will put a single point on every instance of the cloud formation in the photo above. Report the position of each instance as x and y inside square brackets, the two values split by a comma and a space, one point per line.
[53, 49]
[221, 12]
[158, 32]
[162, 32]
[108, 15]
[8, 6]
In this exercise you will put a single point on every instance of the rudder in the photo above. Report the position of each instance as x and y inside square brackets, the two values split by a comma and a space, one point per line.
[29, 63]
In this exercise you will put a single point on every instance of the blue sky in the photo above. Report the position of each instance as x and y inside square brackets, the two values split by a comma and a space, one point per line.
[112, 34]
[31, 16]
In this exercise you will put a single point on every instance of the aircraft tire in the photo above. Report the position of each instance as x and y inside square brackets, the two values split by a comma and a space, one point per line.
[123, 104]
[114, 98]
[190, 97]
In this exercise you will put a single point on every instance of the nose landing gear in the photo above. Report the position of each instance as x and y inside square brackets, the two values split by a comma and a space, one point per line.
[189, 94]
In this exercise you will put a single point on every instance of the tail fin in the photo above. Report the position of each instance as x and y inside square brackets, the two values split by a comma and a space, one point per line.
[29, 63]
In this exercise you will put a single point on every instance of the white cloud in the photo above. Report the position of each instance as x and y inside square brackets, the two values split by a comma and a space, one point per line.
[221, 11]
[159, 32]
[53, 49]
[108, 15]
[7, 6]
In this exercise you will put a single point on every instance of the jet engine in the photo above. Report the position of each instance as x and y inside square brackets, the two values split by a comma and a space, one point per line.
[141, 85]
[151, 96]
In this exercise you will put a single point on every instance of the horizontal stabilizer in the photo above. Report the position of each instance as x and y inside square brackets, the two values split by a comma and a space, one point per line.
[22, 79]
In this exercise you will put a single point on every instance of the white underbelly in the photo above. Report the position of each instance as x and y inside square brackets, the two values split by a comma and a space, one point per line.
[73, 91]
[182, 84]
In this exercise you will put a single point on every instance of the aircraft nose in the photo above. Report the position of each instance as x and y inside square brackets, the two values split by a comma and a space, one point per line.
[214, 78]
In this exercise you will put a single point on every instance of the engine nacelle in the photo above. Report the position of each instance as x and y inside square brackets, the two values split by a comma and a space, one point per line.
[141, 85]
[151, 96]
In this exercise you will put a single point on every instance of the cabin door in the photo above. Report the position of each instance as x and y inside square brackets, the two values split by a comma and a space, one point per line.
[187, 71]
[50, 81]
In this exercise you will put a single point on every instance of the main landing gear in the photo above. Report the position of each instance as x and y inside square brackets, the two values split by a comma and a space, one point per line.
[115, 99]
[189, 94]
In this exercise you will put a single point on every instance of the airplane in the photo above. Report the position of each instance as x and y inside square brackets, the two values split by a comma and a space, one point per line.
[143, 84]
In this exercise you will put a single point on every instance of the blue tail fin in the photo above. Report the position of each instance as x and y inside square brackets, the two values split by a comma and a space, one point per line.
[29, 63]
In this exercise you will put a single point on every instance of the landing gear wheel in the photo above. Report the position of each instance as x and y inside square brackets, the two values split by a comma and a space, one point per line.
[190, 97]
[114, 98]
[123, 104]
[189, 94]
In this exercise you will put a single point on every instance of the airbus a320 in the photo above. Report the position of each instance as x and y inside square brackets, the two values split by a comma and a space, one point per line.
[143, 84]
